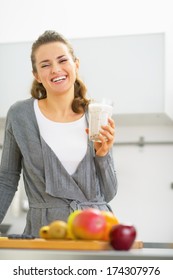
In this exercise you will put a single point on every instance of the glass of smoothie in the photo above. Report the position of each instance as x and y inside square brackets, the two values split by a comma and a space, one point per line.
[99, 112]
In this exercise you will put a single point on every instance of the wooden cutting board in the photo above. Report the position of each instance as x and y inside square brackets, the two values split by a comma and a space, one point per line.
[59, 244]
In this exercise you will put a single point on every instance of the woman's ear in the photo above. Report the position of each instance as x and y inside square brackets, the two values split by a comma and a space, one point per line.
[36, 76]
[77, 64]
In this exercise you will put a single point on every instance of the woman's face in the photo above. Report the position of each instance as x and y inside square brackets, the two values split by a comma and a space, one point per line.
[56, 69]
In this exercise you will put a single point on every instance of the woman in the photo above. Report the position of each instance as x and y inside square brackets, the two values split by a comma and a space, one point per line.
[46, 138]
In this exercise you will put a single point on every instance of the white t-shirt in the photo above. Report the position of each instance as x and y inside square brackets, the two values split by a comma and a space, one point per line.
[67, 140]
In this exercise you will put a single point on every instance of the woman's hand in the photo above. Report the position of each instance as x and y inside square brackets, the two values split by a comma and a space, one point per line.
[106, 136]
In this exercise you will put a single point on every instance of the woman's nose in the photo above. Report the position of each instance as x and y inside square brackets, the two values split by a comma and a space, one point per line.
[55, 68]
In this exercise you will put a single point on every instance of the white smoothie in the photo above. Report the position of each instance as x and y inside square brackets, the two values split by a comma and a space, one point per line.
[98, 116]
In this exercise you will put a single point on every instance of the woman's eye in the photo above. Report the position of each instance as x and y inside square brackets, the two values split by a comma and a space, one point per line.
[63, 60]
[45, 65]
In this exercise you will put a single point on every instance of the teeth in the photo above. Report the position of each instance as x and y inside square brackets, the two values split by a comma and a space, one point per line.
[59, 79]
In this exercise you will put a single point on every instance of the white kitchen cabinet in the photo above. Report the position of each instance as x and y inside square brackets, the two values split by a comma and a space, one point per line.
[128, 69]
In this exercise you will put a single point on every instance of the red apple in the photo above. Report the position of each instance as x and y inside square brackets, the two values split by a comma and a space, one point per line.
[90, 224]
[122, 236]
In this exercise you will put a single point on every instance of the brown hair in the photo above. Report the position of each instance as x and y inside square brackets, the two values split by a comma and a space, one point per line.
[38, 91]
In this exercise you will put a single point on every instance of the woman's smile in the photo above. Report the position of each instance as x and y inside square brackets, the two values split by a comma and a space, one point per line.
[59, 79]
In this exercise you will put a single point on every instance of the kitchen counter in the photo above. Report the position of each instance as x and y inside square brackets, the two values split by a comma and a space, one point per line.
[133, 254]
[40, 249]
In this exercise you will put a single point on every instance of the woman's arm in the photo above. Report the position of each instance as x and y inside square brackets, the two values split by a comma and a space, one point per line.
[107, 175]
[10, 170]
[104, 160]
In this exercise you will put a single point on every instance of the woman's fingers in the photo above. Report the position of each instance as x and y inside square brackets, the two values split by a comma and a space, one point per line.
[111, 122]
[106, 138]
[108, 130]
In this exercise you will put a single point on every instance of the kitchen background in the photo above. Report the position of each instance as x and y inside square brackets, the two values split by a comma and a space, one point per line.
[131, 62]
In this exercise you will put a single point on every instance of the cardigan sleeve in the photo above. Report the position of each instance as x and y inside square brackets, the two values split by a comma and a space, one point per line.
[10, 169]
[107, 175]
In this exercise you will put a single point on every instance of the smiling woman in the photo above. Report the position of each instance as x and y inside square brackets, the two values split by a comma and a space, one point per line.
[46, 138]
[54, 63]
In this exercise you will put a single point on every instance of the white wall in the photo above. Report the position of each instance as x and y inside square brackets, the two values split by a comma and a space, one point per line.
[82, 18]
[144, 196]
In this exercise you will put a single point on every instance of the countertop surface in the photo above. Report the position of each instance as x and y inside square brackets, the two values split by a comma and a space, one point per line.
[35, 254]
[149, 250]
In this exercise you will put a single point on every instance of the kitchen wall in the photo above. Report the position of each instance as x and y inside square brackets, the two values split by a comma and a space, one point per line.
[144, 169]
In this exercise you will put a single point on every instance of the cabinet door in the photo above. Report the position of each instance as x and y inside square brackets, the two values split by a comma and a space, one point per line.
[127, 69]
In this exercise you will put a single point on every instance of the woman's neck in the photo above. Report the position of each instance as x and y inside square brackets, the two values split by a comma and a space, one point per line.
[58, 109]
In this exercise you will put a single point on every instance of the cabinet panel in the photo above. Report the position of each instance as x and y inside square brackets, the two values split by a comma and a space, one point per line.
[128, 69]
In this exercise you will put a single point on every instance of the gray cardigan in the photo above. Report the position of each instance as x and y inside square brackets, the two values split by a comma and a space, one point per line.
[52, 193]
